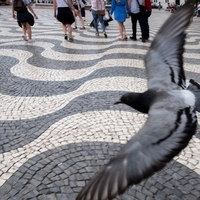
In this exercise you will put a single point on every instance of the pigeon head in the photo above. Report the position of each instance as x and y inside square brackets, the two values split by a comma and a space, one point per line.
[128, 99]
[139, 101]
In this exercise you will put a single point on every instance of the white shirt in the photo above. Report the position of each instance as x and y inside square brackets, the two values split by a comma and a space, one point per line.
[198, 7]
[62, 3]
[135, 7]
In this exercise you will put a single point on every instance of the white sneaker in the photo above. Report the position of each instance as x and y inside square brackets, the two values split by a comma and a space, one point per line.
[24, 37]
[30, 41]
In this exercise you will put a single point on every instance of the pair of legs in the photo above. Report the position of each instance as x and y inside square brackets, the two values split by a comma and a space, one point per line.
[122, 30]
[26, 28]
[144, 24]
[95, 18]
[67, 29]
[80, 17]
[134, 19]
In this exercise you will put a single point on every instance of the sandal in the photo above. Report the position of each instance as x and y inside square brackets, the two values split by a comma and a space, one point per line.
[83, 28]
[121, 39]
[125, 37]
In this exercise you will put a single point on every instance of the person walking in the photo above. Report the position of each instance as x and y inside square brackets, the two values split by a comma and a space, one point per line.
[64, 15]
[135, 16]
[198, 9]
[95, 6]
[77, 6]
[120, 9]
[25, 19]
[144, 21]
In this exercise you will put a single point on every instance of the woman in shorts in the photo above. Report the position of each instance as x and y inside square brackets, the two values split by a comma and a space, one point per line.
[25, 19]
[64, 15]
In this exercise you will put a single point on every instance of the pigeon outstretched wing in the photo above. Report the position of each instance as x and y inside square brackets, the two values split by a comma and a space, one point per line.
[145, 153]
[164, 60]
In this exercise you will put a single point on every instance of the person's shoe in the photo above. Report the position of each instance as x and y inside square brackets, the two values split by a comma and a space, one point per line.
[125, 37]
[133, 38]
[71, 39]
[143, 40]
[30, 41]
[105, 35]
[83, 28]
[66, 37]
[24, 37]
[97, 34]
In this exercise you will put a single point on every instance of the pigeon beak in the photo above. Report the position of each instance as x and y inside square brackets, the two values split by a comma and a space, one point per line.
[118, 102]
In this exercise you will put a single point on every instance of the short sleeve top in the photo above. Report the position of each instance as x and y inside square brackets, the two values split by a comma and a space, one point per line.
[25, 1]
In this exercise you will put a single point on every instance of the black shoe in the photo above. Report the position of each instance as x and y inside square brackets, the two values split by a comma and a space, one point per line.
[143, 40]
[66, 37]
[133, 38]
[105, 35]
[71, 39]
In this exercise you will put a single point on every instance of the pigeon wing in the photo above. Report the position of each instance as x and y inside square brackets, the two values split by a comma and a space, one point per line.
[164, 60]
[145, 153]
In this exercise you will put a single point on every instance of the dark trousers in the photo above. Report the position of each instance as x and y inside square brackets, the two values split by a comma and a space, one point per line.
[134, 19]
[144, 24]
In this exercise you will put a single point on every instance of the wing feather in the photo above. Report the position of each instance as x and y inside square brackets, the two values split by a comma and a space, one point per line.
[145, 153]
[165, 56]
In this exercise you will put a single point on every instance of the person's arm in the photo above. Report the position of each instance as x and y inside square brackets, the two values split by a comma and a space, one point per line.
[143, 2]
[129, 4]
[32, 11]
[54, 7]
[13, 12]
[78, 4]
[71, 6]
[127, 8]
[112, 7]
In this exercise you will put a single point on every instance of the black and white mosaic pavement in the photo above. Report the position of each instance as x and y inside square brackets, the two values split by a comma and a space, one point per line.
[58, 124]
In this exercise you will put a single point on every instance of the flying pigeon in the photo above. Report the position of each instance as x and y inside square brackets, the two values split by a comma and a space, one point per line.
[171, 108]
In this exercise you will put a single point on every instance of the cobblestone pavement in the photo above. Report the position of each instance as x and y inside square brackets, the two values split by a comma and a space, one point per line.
[58, 124]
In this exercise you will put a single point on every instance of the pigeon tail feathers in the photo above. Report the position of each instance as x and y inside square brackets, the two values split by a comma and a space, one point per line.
[194, 87]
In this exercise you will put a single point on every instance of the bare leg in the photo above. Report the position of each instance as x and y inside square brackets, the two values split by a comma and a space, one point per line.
[81, 19]
[69, 28]
[120, 26]
[28, 28]
[24, 28]
[75, 21]
[64, 29]
[124, 31]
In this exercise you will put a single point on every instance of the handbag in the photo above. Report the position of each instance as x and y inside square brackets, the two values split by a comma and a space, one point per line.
[142, 8]
[106, 16]
[101, 12]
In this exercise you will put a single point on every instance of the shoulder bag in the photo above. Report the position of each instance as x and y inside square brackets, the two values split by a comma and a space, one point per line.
[100, 12]
[142, 8]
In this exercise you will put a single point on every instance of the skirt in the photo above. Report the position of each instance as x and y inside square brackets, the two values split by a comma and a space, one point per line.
[25, 17]
[65, 15]
[120, 13]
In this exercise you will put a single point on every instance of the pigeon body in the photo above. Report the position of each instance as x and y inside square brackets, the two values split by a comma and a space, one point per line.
[171, 109]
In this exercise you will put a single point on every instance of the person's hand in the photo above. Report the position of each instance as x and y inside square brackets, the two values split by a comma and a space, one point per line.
[36, 17]
[55, 15]
[14, 16]
[76, 11]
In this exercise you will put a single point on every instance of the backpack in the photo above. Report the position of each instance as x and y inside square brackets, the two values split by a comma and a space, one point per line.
[19, 6]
